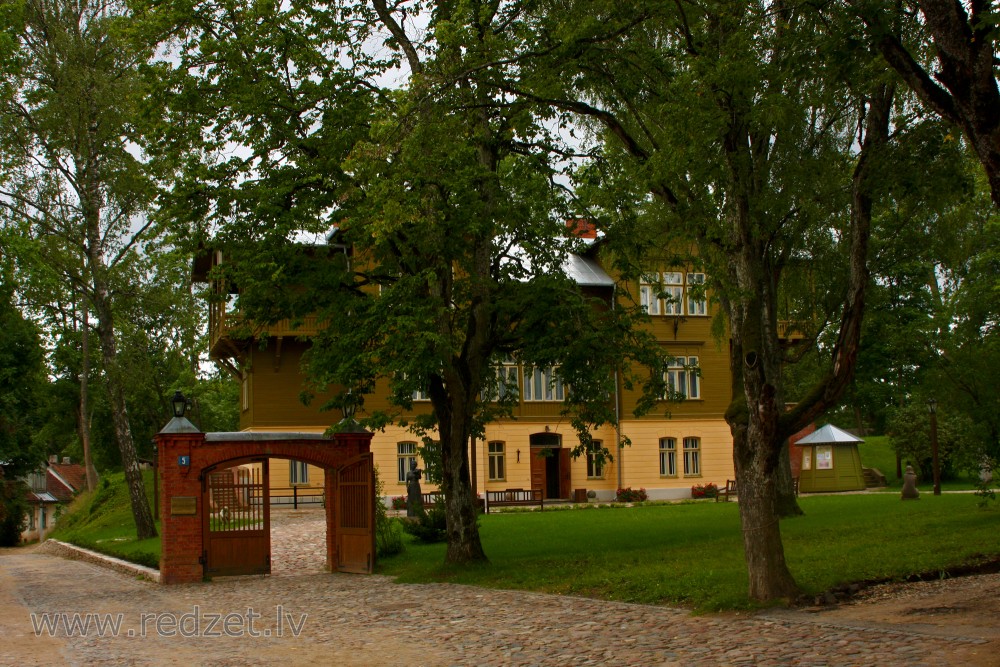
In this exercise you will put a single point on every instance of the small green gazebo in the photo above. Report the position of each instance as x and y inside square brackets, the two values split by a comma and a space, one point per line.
[830, 461]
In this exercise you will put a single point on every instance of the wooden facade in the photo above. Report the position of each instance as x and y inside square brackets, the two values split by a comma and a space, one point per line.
[677, 446]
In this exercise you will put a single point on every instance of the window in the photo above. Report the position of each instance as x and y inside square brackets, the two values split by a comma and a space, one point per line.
[405, 452]
[497, 461]
[542, 384]
[31, 519]
[595, 462]
[824, 457]
[668, 457]
[44, 516]
[421, 395]
[298, 472]
[673, 293]
[507, 382]
[692, 456]
[683, 377]
[697, 304]
[649, 294]
[664, 294]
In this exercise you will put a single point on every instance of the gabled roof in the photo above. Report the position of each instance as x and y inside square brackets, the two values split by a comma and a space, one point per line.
[64, 480]
[828, 435]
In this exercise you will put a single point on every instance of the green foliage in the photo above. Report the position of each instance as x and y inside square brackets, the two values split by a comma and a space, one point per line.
[959, 450]
[388, 533]
[21, 381]
[628, 495]
[429, 526]
[13, 511]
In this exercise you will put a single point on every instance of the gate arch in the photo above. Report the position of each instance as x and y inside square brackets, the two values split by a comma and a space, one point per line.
[187, 457]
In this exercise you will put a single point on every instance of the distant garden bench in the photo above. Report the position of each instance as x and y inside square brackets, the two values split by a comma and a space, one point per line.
[514, 497]
[730, 489]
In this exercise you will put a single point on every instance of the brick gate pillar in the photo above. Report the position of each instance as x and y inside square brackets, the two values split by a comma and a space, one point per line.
[181, 507]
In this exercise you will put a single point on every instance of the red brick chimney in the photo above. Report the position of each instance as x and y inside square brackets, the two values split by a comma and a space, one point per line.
[581, 228]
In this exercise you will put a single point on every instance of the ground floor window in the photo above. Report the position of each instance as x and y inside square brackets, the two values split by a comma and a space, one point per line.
[595, 462]
[298, 472]
[405, 452]
[498, 461]
[692, 456]
[668, 457]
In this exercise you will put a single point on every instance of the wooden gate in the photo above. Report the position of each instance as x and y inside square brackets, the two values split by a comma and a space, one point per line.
[237, 524]
[355, 489]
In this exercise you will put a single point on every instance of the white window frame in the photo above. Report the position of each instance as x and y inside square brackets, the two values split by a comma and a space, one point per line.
[696, 307]
[673, 291]
[668, 457]
[298, 473]
[544, 381]
[406, 451]
[683, 376]
[508, 380]
[692, 457]
[649, 294]
[595, 467]
[497, 453]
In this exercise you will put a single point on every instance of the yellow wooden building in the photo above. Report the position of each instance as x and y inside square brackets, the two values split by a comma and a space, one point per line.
[677, 446]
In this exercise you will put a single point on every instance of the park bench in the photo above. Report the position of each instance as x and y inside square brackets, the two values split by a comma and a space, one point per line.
[514, 497]
[730, 488]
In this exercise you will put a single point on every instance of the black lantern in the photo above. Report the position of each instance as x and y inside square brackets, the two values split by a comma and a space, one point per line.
[179, 404]
[932, 405]
[348, 407]
[935, 460]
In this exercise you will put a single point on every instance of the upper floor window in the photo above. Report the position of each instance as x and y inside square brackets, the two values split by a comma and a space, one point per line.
[668, 293]
[543, 384]
[506, 382]
[683, 378]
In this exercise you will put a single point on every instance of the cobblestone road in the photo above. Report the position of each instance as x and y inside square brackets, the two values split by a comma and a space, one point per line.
[369, 620]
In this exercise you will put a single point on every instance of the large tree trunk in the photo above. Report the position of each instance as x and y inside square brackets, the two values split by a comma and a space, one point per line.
[464, 545]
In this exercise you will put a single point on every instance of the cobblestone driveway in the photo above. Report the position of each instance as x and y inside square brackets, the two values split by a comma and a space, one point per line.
[369, 620]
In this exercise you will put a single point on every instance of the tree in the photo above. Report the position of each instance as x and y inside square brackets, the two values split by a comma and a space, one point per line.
[764, 155]
[959, 41]
[71, 106]
[443, 190]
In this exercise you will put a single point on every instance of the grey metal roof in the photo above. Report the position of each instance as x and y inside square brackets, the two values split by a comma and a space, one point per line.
[829, 434]
[257, 436]
[586, 272]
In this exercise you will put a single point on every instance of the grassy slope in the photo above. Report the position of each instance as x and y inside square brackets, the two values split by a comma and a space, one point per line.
[103, 521]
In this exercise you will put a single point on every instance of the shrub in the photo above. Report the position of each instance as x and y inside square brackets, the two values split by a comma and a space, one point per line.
[388, 536]
[430, 526]
[627, 495]
[704, 491]
[13, 512]
[399, 503]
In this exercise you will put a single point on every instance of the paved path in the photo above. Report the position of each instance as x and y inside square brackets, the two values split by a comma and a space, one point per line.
[369, 620]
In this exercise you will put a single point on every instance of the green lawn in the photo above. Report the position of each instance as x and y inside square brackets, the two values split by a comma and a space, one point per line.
[685, 553]
[102, 521]
[692, 553]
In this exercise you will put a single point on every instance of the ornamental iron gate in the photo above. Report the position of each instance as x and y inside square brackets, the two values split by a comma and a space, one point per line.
[237, 524]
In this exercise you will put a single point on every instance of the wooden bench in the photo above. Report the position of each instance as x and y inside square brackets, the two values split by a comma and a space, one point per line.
[514, 497]
[724, 492]
[730, 488]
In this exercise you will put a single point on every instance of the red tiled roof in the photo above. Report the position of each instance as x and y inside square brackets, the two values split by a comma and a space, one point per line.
[73, 474]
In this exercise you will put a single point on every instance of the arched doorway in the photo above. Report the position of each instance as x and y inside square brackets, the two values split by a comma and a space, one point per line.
[216, 511]
[550, 465]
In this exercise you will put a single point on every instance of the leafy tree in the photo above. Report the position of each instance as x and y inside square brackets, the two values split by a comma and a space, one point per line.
[69, 112]
[442, 189]
[946, 52]
[959, 450]
[767, 156]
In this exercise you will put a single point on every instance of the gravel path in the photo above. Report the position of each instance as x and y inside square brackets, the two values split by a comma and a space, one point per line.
[369, 620]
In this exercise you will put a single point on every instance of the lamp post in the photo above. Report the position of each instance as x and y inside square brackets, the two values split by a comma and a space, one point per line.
[932, 409]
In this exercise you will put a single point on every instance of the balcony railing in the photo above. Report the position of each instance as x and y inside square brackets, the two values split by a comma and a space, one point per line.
[227, 324]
